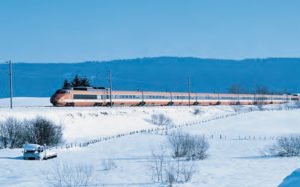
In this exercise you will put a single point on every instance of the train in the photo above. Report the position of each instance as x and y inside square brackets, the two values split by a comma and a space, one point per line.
[100, 96]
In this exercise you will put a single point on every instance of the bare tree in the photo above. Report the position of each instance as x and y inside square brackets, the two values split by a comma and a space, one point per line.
[169, 171]
[199, 148]
[187, 171]
[286, 147]
[71, 175]
[161, 120]
[171, 174]
[157, 166]
[188, 146]
[262, 90]
[11, 133]
[43, 131]
[179, 144]
[235, 89]
[108, 164]
[14, 133]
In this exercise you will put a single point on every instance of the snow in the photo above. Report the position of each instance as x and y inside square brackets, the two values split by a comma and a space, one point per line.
[232, 162]
[92, 122]
[26, 102]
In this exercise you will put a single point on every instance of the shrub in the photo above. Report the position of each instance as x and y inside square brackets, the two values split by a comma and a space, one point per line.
[236, 108]
[286, 147]
[188, 146]
[108, 164]
[71, 175]
[161, 120]
[198, 148]
[197, 111]
[179, 144]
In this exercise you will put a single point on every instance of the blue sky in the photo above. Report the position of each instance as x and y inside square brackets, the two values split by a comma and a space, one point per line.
[80, 30]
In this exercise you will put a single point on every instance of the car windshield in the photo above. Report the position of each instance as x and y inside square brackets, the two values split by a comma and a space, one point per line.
[29, 151]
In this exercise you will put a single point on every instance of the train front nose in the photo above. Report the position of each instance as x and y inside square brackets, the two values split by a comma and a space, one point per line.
[56, 99]
[53, 99]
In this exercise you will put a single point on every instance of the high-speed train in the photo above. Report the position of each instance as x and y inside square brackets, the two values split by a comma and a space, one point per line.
[99, 96]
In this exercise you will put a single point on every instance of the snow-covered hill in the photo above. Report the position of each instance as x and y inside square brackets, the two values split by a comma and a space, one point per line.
[92, 122]
[232, 161]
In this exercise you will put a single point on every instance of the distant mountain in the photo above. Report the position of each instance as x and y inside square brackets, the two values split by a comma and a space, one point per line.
[159, 74]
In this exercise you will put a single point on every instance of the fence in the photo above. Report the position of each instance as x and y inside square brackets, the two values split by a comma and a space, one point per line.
[164, 130]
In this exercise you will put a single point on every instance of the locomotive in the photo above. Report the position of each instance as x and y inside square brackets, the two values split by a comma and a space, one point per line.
[100, 96]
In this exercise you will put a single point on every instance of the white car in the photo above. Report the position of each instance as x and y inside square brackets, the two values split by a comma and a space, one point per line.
[37, 152]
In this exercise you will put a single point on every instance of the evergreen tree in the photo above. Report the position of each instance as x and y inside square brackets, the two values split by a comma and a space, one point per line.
[85, 82]
[76, 81]
[66, 84]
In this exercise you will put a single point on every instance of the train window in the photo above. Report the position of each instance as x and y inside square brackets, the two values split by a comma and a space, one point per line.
[79, 96]
[61, 91]
[79, 88]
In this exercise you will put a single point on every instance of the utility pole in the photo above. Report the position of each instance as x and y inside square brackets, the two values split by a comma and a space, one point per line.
[110, 89]
[10, 84]
[189, 82]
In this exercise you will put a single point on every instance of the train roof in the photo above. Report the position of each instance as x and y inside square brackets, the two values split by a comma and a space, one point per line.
[86, 88]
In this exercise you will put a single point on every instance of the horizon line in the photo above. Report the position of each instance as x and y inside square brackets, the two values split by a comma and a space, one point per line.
[149, 57]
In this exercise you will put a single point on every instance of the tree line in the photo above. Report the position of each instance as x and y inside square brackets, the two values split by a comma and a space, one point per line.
[237, 89]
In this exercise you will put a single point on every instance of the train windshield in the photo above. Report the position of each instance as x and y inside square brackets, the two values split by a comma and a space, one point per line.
[61, 91]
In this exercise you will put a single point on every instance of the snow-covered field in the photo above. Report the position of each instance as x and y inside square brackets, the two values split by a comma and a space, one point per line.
[26, 102]
[92, 122]
[231, 162]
